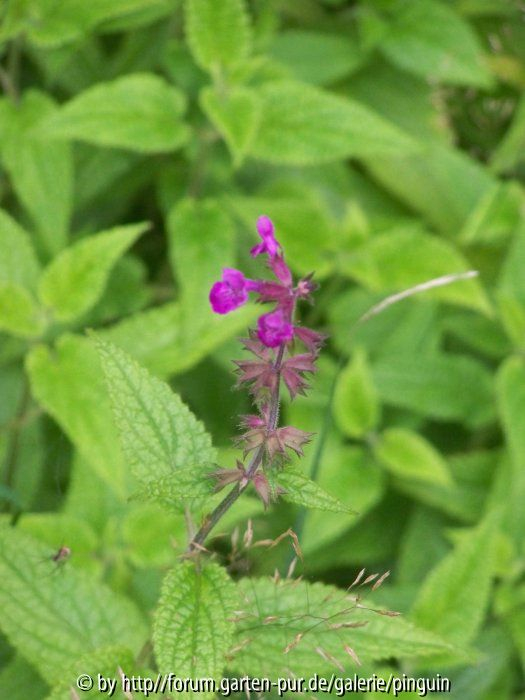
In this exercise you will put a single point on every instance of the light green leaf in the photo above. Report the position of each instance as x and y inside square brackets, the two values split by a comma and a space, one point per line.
[107, 662]
[442, 386]
[50, 24]
[275, 612]
[409, 456]
[430, 39]
[511, 149]
[193, 629]
[356, 405]
[510, 393]
[161, 340]
[454, 597]
[316, 57]
[18, 263]
[139, 112]
[202, 242]
[69, 384]
[41, 171]
[76, 279]
[188, 486]
[496, 215]
[159, 434]
[236, 116]
[406, 256]
[53, 618]
[303, 125]
[19, 313]
[443, 184]
[302, 491]
[218, 33]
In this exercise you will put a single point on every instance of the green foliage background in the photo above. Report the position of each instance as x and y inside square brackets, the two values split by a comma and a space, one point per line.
[386, 139]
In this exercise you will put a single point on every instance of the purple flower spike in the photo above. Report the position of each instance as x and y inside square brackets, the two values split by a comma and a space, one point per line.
[269, 245]
[274, 329]
[231, 292]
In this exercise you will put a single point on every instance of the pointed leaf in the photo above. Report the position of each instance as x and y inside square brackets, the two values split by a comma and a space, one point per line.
[193, 630]
[303, 125]
[76, 279]
[159, 434]
[303, 491]
[140, 112]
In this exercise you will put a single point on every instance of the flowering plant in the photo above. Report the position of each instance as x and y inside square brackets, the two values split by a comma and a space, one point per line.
[282, 350]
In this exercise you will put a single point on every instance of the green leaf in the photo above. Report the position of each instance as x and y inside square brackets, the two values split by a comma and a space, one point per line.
[302, 491]
[20, 681]
[303, 125]
[18, 263]
[409, 456]
[69, 384]
[139, 112]
[405, 256]
[275, 612]
[218, 33]
[356, 406]
[193, 630]
[189, 486]
[202, 239]
[161, 340]
[316, 57]
[510, 393]
[496, 215]
[236, 116]
[41, 171]
[53, 618]
[76, 279]
[19, 313]
[159, 434]
[509, 152]
[442, 386]
[454, 597]
[430, 39]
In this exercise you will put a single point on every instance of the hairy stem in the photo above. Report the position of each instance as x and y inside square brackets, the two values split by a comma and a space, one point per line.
[227, 502]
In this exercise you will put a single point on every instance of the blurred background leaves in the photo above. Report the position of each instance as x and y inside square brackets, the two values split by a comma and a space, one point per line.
[386, 138]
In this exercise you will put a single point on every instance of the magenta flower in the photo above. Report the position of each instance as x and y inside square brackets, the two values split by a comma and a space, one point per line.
[274, 328]
[231, 292]
[269, 245]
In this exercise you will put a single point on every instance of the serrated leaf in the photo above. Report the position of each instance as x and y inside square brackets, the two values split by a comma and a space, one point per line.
[51, 618]
[202, 241]
[159, 434]
[301, 490]
[40, 170]
[454, 597]
[189, 486]
[356, 405]
[443, 386]
[303, 125]
[292, 607]
[139, 112]
[193, 629]
[430, 39]
[76, 279]
[406, 256]
[236, 115]
[68, 382]
[409, 456]
[218, 33]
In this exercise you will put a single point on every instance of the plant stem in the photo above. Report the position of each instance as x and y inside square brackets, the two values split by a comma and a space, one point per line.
[227, 502]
